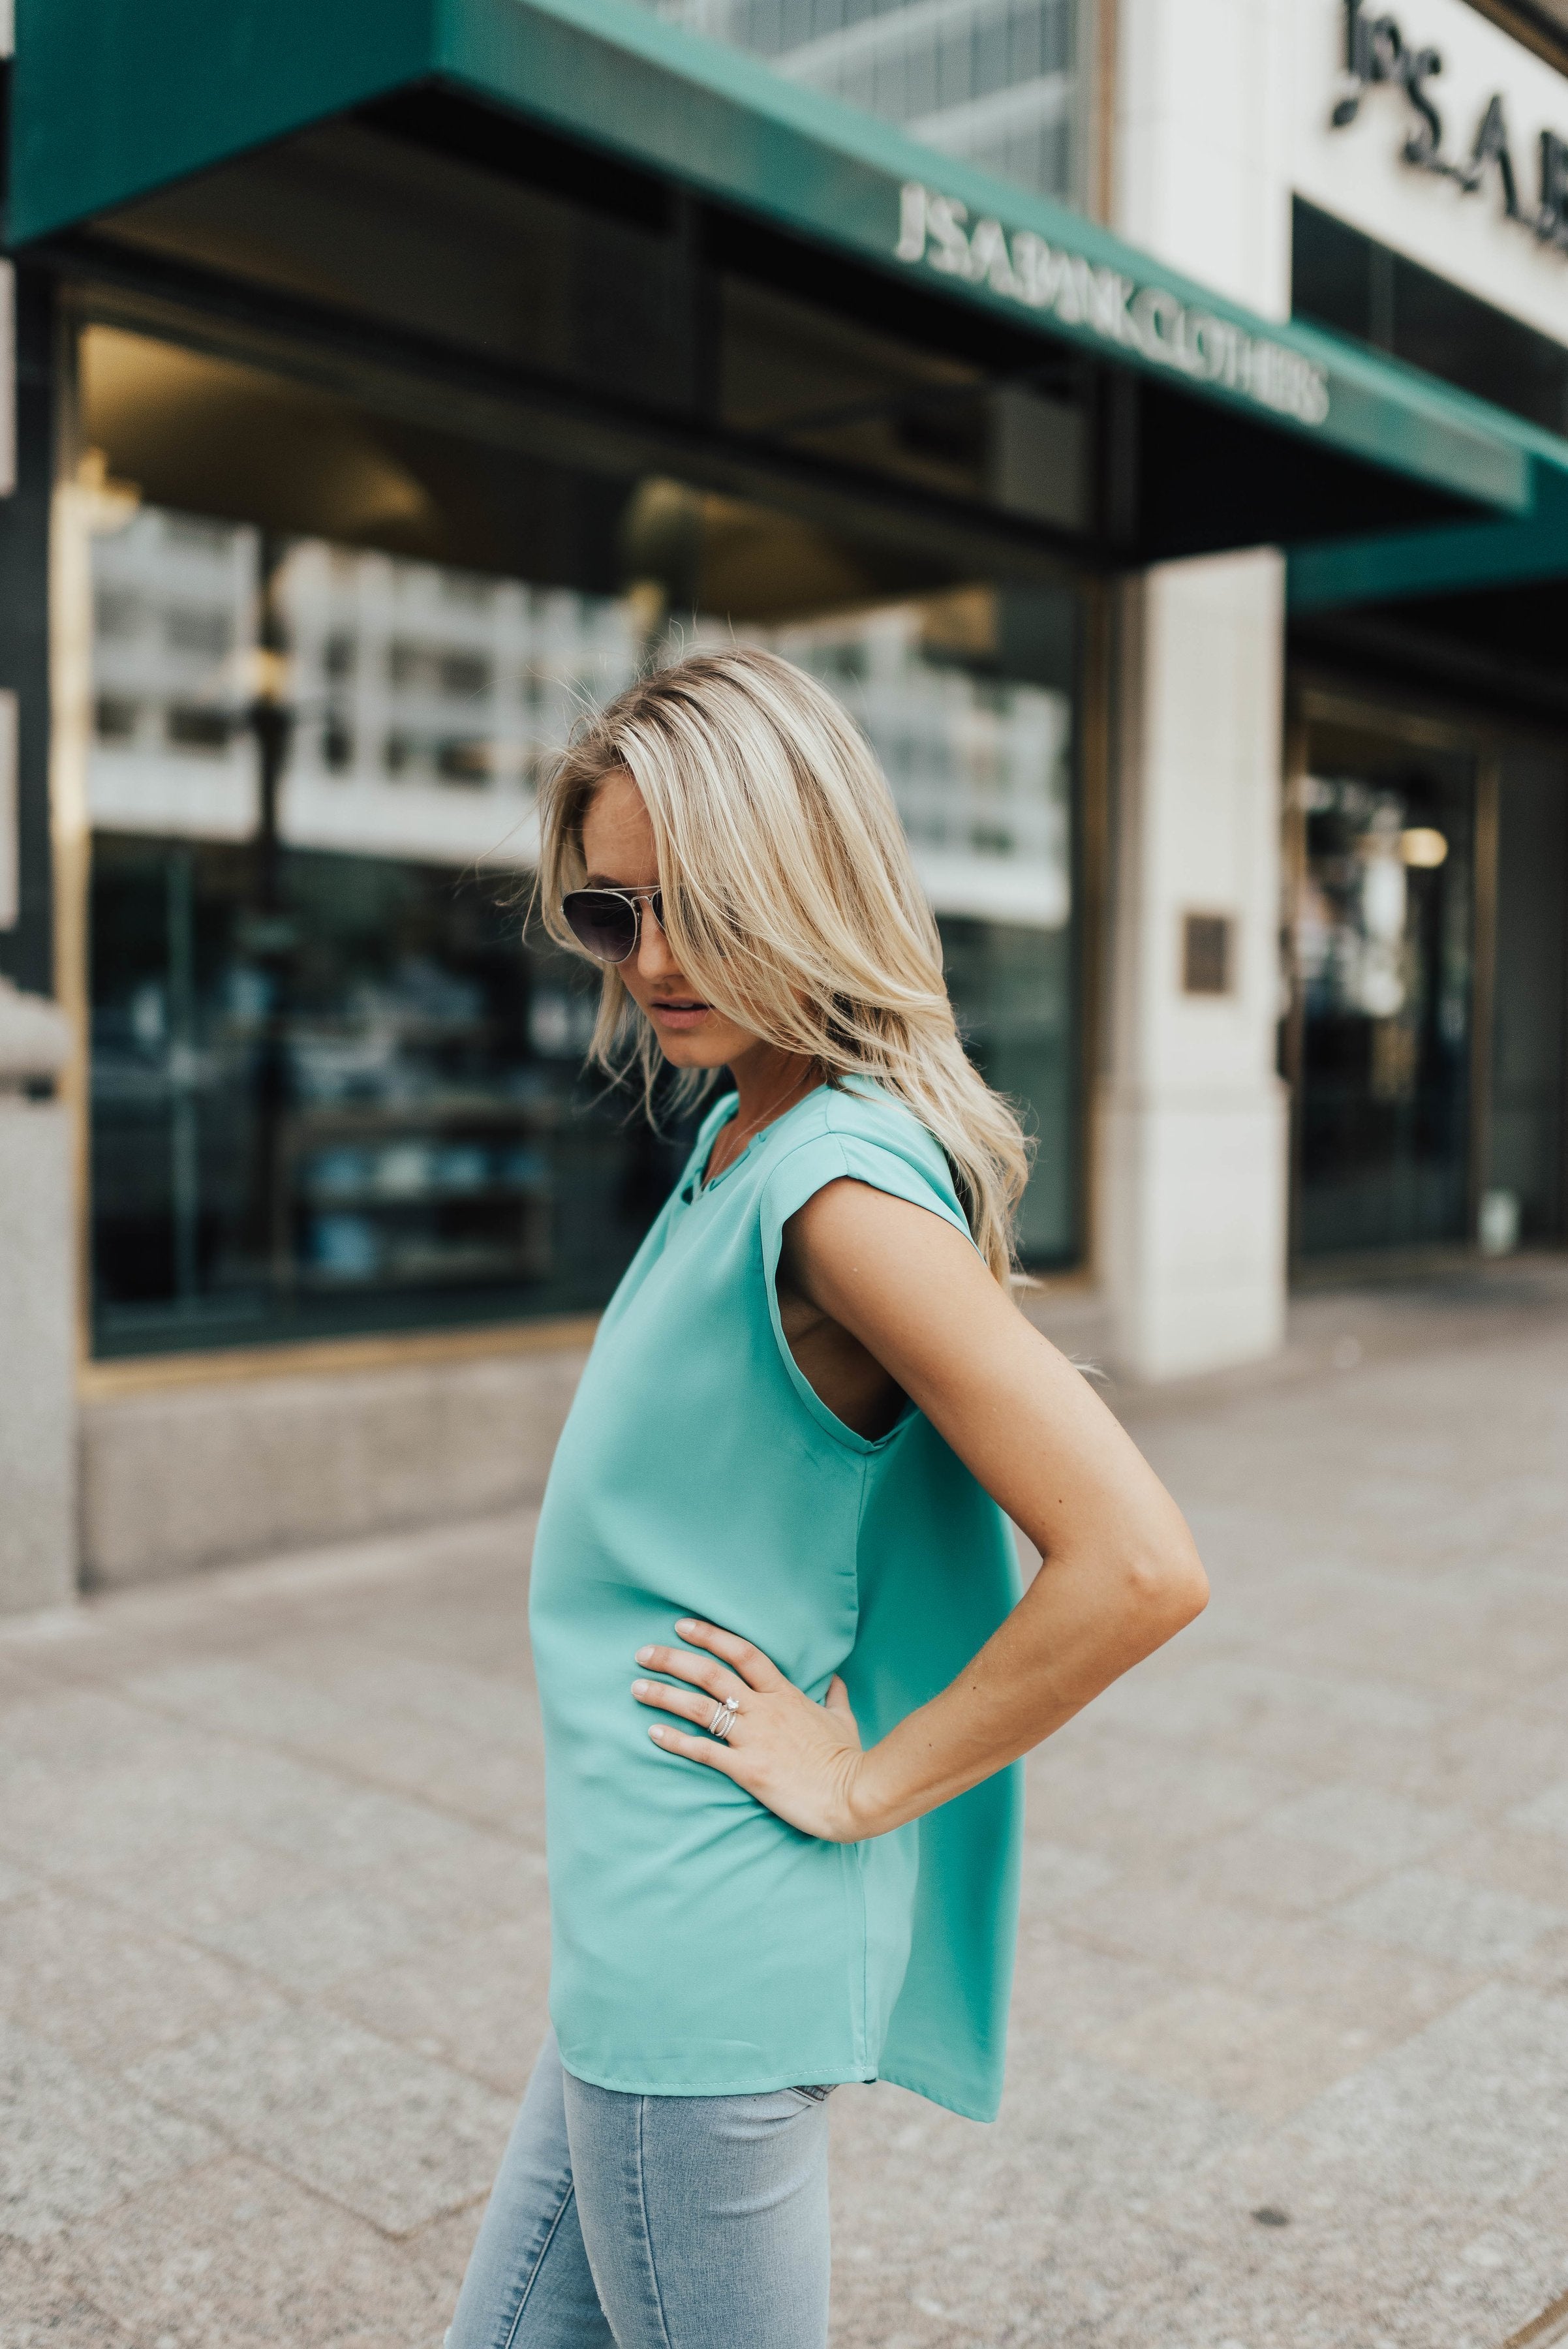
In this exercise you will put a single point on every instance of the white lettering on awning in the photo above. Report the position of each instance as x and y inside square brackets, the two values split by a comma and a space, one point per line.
[934, 230]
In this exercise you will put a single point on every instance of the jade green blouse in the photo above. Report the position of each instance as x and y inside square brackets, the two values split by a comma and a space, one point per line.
[700, 1946]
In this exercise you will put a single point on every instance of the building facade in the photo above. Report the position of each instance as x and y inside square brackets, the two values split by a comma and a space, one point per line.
[1148, 416]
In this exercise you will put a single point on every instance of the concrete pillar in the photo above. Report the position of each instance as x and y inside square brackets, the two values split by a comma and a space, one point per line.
[1191, 1157]
[38, 1321]
[1191, 1147]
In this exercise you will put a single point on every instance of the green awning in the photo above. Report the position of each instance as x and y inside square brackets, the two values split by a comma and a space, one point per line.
[1402, 566]
[113, 99]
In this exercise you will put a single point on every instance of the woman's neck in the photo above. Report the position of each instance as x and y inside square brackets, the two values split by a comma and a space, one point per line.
[767, 1081]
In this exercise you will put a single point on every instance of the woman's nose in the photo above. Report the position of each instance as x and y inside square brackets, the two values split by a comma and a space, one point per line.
[654, 960]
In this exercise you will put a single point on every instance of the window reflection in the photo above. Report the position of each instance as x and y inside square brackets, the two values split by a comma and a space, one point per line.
[332, 1087]
[1383, 952]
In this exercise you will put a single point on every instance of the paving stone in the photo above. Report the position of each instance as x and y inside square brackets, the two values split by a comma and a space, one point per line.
[1460, 2118]
[15, 1882]
[316, 1814]
[479, 1635]
[197, 1876]
[1117, 1793]
[387, 2133]
[1496, 2281]
[479, 2003]
[20, 1677]
[1446, 1917]
[469, 1876]
[234, 2256]
[1248, 2054]
[1382, 2181]
[1291, 1718]
[332, 1763]
[1240, 2285]
[1063, 1993]
[1491, 1758]
[1389, 1992]
[1259, 1868]
[307, 1944]
[72, 2141]
[151, 1800]
[1511, 1860]
[1381, 1830]
[106, 1988]
[484, 1704]
[1547, 1811]
[443, 1765]
[442, 2251]
[240, 1697]
[1074, 2168]
[1060, 1873]
[74, 1730]
[1472, 1640]
[43, 2307]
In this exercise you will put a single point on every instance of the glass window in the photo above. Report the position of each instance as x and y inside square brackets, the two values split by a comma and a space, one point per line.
[334, 1087]
[1528, 1130]
[1384, 971]
[1343, 279]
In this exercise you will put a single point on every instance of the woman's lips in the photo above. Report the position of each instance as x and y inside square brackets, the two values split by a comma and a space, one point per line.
[688, 1014]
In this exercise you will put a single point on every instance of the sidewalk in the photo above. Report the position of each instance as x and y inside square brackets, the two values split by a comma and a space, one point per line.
[1290, 2056]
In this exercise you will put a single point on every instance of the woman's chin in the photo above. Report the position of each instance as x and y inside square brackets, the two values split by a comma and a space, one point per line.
[689, 1051]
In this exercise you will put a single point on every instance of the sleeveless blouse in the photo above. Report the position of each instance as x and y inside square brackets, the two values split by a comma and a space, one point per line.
[700, 1945]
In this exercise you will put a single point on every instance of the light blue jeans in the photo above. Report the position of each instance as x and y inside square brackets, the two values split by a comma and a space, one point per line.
[652, 2222]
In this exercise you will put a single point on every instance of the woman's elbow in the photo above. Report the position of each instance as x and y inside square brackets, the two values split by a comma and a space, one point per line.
[1167, 1587]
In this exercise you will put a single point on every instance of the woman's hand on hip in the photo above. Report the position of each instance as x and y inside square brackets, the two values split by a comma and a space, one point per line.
[801, 1760]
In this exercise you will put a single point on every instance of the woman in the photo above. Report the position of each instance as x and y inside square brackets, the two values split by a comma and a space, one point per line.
[783, 1662]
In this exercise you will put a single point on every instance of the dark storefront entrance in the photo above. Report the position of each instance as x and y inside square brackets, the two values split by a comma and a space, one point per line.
[1428, 870]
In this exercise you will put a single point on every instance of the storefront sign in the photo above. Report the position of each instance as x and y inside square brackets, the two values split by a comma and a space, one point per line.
[934, 231]
[1376, 51]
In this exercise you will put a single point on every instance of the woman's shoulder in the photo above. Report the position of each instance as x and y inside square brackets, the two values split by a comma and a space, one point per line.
[867, 1110]
[858, 1127]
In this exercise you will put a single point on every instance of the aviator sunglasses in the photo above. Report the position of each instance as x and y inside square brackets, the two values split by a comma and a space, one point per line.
[607, 923]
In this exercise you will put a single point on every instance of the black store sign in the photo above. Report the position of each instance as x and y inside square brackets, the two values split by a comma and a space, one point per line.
[1376, 50]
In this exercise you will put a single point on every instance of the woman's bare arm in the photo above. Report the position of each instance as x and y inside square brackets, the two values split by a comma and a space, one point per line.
[1120, 1575]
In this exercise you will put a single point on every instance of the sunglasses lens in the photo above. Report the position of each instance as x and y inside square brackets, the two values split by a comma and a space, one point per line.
[603, 925]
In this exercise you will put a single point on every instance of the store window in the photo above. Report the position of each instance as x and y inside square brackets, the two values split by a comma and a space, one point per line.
[1527, 1138]
[1384, 927]
[1347, 281]
[335, 1086]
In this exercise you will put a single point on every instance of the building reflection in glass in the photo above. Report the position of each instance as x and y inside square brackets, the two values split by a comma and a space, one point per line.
[331, 1087]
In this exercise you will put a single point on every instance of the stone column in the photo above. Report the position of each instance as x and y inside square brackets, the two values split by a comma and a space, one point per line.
[1191, 1158]
[1192, 1144]
[38, 1318]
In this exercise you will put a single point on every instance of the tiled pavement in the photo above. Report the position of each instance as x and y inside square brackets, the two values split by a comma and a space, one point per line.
[1290, 2065]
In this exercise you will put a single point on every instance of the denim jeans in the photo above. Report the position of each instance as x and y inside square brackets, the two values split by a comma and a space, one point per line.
[652, 2222]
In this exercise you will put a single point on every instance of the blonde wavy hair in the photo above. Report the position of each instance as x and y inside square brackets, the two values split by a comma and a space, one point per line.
[790, 900]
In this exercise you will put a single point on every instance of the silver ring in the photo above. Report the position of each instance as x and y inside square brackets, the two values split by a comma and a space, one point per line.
[725, 1716]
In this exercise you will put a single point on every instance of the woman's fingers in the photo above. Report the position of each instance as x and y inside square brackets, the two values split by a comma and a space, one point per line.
[695, 1749]
[702, 1671]
[756, 1669]
[689, 1704]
